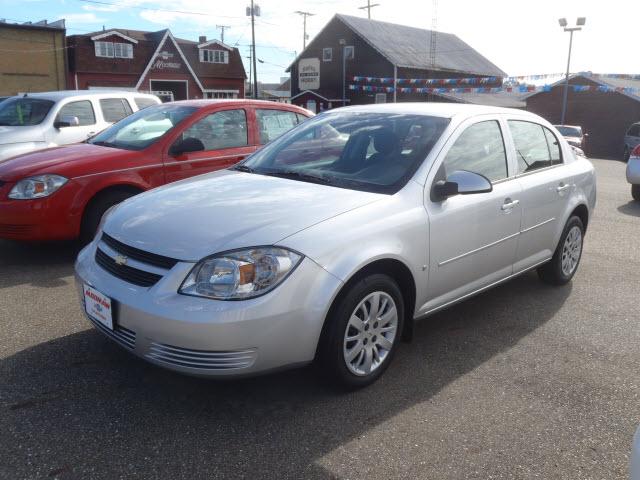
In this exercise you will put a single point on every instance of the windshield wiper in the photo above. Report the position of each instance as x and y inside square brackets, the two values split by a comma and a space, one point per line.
[242, 168]
[105, 144]
[295, 175]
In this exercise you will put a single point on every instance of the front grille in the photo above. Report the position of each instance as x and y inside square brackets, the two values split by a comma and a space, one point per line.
[201, 359]
[123, 336]
[139, 255]
[126, 273]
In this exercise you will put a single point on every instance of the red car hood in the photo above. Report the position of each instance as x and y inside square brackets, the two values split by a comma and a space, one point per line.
[69, 161]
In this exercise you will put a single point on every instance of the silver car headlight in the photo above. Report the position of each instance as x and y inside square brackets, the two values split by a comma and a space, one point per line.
[240, 274]
[37, 187]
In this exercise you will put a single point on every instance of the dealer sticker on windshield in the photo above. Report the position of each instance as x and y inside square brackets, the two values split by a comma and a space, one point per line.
[98, 306]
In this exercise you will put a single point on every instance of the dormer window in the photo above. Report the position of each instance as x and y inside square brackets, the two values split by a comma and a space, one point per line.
[114, 50]
[214, 56]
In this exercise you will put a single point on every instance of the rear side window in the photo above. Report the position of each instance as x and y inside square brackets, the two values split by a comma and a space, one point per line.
[226, 129]
[114, 109]
[480, 149]
[634, 131]
[301, 118]
[142, 102]
[536, 146]
[273, 123]
[81, 109]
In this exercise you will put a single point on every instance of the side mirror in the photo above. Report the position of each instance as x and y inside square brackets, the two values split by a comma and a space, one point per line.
[66, 121]
[187, 145]
[461, 182]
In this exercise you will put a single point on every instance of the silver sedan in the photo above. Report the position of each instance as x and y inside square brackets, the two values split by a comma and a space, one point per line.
[329, 243]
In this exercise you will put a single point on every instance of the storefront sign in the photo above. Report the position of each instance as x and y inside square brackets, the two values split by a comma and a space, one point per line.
[164, 61]
[309, 74]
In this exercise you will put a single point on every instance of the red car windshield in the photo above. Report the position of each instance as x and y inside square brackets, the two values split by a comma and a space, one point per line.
[143, 128]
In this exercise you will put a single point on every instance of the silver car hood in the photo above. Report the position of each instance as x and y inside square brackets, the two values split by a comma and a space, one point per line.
[30, 133]
[194, 218]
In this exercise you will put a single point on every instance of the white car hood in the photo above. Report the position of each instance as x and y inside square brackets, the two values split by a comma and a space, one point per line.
[31, 133]
[225, 210]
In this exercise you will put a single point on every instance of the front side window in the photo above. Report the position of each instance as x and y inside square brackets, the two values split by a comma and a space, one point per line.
[114, 109]
[225, 129]
[375, 152]
[273, 123]
[479, 149]
[327, 54]
[82, 109]
[23, 111]
[143, 128]
[536, 147]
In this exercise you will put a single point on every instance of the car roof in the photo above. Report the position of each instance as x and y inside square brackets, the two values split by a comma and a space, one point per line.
[237, 101]
[437, 109]
[62, 94]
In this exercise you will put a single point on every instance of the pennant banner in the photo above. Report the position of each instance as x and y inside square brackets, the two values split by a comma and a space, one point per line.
[514, 89]
[484, 80]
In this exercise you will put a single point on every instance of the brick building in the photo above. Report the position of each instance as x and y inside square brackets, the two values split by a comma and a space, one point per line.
[43, 44]
[174, 68]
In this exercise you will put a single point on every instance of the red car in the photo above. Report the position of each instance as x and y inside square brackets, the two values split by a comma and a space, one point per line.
[62, 193]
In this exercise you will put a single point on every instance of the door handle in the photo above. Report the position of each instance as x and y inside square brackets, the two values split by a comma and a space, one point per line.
[509, 204]
[90, 134]
[562, 187]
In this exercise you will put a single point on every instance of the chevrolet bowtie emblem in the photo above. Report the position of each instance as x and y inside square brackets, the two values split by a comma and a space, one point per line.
[120, 260]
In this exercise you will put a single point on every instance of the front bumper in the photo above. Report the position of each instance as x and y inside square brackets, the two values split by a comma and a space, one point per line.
[214, 338]
[633, 171]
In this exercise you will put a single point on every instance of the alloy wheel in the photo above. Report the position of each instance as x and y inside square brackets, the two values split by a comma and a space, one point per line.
[571, 250]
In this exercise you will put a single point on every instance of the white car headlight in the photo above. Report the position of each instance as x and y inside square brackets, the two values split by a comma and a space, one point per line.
[37, 187]
[240, 274]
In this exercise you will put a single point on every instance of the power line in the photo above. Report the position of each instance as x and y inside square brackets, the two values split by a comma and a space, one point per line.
[304, 26]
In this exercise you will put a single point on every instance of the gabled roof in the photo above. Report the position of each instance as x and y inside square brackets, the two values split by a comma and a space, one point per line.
[409, 47]
[601, 80]
[217, 42]
[110, 33]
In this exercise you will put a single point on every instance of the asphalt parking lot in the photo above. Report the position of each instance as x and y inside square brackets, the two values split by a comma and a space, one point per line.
[524, 381]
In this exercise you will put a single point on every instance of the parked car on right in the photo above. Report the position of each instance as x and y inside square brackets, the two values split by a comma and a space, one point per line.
[633, 172]
[631, 140]
[573, 134]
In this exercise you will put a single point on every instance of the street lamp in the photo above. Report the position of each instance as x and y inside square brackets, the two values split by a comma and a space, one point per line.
[580, 22]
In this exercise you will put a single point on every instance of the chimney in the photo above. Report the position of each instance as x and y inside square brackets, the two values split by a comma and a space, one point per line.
[202, 39]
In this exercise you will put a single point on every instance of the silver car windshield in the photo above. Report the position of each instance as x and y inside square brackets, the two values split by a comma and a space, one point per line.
[143, 128]
[23, 111]
[377, 152]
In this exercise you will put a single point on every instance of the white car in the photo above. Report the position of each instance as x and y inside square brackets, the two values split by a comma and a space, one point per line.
[634, 466]
[329, 251]
[33, 121]
[633, 173]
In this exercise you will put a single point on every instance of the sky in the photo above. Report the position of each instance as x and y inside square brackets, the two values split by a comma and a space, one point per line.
[522, 38]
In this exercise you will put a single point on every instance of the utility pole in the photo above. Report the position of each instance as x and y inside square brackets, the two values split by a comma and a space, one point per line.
[254, 11]
[368, 8]
[222, 29]
[250, 89]
[304, 25]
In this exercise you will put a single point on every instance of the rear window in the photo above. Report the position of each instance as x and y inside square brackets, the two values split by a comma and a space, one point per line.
[273, 123]
[115, 109]
[142, 102]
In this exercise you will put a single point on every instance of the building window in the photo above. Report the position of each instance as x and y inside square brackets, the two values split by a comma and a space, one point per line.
[327, 54]
[214, 56]
[111, 50]
[221, 94]
[349, 52]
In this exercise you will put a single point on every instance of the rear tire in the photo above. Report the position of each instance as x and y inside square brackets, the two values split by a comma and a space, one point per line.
[96, 209]
[635, 192]
[362, 333]
[566, 259]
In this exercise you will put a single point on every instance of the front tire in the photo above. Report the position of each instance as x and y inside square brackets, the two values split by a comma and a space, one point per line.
[635, 192]
[362, 333]
[564, 263]
[96, 209]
